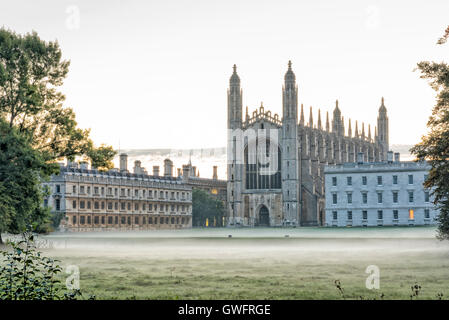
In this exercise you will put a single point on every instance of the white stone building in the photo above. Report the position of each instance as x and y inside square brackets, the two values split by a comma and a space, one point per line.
[385, 193]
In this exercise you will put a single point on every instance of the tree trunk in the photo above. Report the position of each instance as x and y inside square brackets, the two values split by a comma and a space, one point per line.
[1, 240]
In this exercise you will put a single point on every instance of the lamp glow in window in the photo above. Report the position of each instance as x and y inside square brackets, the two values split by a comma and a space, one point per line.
[411, 214]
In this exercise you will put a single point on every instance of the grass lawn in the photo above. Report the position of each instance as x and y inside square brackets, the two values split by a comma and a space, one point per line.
[299, 263]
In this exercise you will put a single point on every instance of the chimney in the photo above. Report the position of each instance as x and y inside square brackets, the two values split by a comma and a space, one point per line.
[397, 157]
[123, 162]
[168, 168]
[390, 156]
[156, 171]
[179, 172]
[137, 168]
[215, 176]
[360, 157]
[84, 165]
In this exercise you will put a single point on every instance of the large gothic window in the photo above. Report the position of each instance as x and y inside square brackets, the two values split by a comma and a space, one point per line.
[262, 166]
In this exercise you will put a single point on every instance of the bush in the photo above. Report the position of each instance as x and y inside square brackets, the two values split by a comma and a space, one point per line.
[25, 274]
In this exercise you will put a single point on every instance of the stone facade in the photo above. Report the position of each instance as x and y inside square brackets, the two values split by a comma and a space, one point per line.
[378, 194]
[293, 194]
[89, 200]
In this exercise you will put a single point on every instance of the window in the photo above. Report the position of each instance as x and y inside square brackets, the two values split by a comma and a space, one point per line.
[136, 220]
[129, 195]
[88, 220]
[102, 205]
[364, 197]
[96, 205]
[74, 204]
[426, 213]
[82, 220]
[136, 206]
[102, 192]
[136, 193]
[58, 204]
[116, 205]
[129, 205]
[129, 220]
[116, 192]
[334, 181]
[380, 214]
[426, 196]
[144, 206]
[88, 204]
[349, 181]
[410, 179]
[395, 197]
[150, 207]
[110, 206]
[109, 220]
[365, 215]
[395, 215]
[334, 215]
[411, 214]
[74, 219]
[334, 198]
[88, 190]
[410, 196]
[379, 197]
[349, 215]
[58, 188]
[395, 179]
[122, 206]
[349, 197]
[82, 204]
[96, 190]
[96, 221]
[82, 189]
[150, 194]
[74, 189]
[364, 180]
[379, 180]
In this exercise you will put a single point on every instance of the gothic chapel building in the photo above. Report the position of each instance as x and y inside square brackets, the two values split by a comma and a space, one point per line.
[293, 194]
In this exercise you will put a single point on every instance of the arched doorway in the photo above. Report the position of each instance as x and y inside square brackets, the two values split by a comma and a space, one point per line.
[264, 217]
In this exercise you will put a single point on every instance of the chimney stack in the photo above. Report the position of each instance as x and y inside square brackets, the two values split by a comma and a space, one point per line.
[397, 156]
[390, 156]
[123, 162]
[156, 171]
[215, 175]
[168, 168]
[360, 157]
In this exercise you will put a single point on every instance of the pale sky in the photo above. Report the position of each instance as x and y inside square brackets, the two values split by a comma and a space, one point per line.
[154, 74]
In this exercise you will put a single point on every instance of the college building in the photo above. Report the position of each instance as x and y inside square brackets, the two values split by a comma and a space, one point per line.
[387, 193]
[91, 200]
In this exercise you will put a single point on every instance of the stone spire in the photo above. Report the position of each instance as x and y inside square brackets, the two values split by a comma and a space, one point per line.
[349, 128]
[363, 130]
[356, 131]
[234, 101]
[301, 119]
[382, 127]
[311, 118]
[247, 114]
[319, 119]
[369, 132]
[327, 121]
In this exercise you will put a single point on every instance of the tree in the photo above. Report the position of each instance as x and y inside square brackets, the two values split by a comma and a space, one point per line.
[31, 70]
[434, 147]
[22, 170]
[40, 127]
[101, 157]
[204, 206]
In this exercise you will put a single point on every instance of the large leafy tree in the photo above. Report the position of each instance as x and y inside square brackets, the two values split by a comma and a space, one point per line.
[31, 70]
[434, 147]
[32, 107]
[204, 206]
[22, 169]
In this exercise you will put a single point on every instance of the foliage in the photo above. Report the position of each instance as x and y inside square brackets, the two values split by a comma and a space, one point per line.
[204, 206]
[434, 147]
[101, 157]
[26, 274]
[36, 128]
[22, 170]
